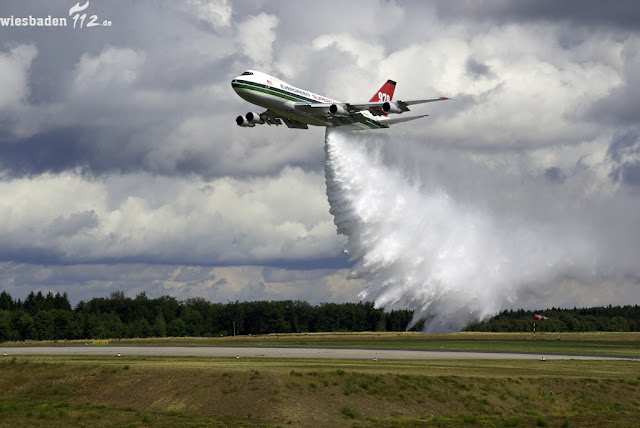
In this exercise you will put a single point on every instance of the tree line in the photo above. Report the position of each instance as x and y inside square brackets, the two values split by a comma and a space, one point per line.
[600, 318]
[51, 317]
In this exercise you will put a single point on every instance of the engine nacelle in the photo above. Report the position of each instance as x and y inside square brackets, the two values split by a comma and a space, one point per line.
[241, 121]
[391, 107]
[338, 110]
[254, 118]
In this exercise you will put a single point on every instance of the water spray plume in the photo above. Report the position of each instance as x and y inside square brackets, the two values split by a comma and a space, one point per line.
[450, 262]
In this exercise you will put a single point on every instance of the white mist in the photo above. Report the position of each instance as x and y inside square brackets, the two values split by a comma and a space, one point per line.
[452, 261]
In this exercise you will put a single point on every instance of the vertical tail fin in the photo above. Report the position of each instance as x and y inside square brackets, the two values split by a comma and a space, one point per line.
[385, 93]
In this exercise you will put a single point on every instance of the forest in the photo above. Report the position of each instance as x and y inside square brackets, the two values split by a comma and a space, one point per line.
[51, 317]
[600, 318]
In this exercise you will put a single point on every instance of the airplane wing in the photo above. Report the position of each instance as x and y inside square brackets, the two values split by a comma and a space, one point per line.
[378, 108]
[390, 121]
[271, 118]
[344, 117]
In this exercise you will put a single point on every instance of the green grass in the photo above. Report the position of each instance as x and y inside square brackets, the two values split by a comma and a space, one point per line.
[349, 412]
[101, 391]
[541, 422]
[192, 391]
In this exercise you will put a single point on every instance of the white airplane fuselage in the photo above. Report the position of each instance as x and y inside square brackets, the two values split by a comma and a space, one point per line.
[273, 94]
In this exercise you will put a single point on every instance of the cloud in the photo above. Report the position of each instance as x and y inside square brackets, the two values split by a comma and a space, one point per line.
[113, 69]
[624, 152]
[256, 35]
[74, 223]
[536, 93]
[14, 89]
[118, 146]
[620, 106]
[165, 220]
[15, 64]
[590, 12]
[216, 284]
[215, 12]
[365, 54]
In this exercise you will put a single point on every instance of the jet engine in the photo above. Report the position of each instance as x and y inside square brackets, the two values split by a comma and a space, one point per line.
[254, 118]
[338, 110]
[249, 120]
[241, 121]
[391, 107]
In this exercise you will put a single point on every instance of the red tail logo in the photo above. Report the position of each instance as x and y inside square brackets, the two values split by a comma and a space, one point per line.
[385, 93]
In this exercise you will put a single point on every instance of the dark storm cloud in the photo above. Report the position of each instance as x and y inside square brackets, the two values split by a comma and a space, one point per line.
[24, 253]
[55, 151]
[477, 69]
[624, 13]
[621, 107]
[555, 174]
[624, 151]
[630, 173]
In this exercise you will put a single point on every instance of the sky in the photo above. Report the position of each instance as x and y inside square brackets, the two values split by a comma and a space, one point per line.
[122, 169]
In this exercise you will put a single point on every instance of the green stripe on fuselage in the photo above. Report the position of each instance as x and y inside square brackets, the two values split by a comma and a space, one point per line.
[270, 90]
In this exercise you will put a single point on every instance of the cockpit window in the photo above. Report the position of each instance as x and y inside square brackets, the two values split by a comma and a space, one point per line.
[247, 73]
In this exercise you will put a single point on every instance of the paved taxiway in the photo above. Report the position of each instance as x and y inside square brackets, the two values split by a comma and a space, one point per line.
[268, 352]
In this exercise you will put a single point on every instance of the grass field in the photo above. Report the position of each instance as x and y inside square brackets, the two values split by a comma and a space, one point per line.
[57, 391]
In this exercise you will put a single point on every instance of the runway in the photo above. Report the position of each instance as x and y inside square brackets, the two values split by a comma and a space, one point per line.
[269, 352]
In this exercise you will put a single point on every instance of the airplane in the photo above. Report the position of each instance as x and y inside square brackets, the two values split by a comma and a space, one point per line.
[298, 108]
